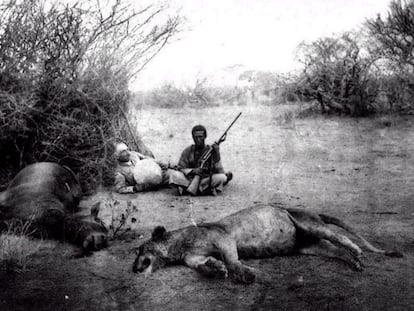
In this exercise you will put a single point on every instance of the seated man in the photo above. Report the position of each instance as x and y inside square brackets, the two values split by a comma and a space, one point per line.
[189, 166]
[136, 172]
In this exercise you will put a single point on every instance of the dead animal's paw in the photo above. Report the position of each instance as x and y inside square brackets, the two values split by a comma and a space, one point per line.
[94, 241]
[213, 268]
[217, 268]
[358, 265]
[355, 262]
[243, 274]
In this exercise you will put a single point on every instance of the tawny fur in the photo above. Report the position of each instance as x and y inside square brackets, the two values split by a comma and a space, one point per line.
[257, 232]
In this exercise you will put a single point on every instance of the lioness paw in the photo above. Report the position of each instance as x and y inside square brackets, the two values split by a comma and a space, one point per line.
[94, 241]
[244, 275]
[217, 268]
[213, 268]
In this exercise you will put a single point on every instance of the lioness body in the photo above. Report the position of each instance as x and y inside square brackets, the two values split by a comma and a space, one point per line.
[256, 232]
[47, 195]
[263, 231]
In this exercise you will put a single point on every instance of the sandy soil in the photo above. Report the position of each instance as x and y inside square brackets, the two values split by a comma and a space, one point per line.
[361, 170]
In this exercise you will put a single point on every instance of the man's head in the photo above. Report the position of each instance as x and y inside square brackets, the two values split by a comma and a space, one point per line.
[199, 133]
[121, 152]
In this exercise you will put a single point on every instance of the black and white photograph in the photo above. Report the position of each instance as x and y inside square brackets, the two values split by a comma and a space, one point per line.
[181, 155]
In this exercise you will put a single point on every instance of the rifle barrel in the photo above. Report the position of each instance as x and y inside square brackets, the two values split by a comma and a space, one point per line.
[206, 155]
[234, 121]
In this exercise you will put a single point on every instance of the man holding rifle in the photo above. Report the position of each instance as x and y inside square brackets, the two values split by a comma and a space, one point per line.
[189, 164]
[201, 171]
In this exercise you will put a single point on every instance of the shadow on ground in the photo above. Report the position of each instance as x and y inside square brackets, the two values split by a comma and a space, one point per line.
[361, 170]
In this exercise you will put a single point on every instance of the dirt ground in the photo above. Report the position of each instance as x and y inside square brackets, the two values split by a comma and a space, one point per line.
[361, 170]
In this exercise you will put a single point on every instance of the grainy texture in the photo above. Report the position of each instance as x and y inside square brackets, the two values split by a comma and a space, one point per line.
[360, 170]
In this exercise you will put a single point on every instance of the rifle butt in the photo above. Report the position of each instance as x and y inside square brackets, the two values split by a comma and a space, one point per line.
[193, 187]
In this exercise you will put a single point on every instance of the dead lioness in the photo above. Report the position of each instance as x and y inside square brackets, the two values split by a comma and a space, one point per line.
[46, 195]
[214, 249]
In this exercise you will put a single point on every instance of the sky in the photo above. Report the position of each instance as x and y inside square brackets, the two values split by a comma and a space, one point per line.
[252, 34]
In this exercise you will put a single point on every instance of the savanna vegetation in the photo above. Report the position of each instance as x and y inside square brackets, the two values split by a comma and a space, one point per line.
[353, 73]
[64, 75]
[65, 71]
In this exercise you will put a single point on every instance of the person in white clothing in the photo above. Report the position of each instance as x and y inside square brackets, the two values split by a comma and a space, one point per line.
[136, 172]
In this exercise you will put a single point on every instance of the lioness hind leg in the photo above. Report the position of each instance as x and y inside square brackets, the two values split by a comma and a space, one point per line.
[327, 249]
[208, 266]
[323, 232]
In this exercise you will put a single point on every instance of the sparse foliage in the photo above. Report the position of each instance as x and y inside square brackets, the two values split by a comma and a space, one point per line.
[394, 43]
[338, 75]
[201, 94]
[64, 75]
[264, 82]
[118, 217]
[395, 33]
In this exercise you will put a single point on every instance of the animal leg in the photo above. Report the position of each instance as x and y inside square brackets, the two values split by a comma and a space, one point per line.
[240, 272]
[77, 229]
[208, 266]
[90, 235]
[327, 249]
[335, 221]
[323, 232]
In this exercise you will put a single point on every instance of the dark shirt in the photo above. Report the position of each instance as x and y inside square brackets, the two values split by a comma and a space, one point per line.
[190, 159]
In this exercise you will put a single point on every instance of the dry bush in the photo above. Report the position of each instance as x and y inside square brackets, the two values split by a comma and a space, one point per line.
[72, 123]
[227, 95]
[64, 75]
[165, 96]
[340, 74]
[392, 37]
[200, 95]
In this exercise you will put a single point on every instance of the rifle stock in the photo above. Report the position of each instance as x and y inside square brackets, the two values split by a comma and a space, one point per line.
[193, 187]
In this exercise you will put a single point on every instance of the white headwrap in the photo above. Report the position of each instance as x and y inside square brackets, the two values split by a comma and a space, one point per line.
[119, 148]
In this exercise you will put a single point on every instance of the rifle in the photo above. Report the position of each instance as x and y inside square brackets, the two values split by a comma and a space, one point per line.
[206, 158]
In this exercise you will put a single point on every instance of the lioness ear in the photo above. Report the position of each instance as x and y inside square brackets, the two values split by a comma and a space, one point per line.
[159, 233]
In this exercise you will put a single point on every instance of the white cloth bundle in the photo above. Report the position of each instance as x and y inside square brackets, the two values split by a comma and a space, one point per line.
[147, 172]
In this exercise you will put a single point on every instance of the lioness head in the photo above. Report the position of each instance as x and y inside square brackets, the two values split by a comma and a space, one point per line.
[153, 254]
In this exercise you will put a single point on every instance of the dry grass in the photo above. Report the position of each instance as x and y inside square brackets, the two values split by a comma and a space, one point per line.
[350, 168]
[16, 247]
